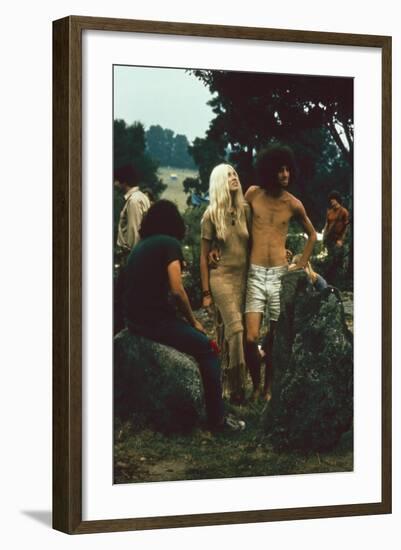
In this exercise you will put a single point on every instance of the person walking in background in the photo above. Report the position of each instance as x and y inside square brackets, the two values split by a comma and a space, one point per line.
[272, 209]
[225, 228]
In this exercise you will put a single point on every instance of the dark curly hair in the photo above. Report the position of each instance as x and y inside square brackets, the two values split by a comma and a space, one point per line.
[268, 163]
[163, 218]
[335, 195]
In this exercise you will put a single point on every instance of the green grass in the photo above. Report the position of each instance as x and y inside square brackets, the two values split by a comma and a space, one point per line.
[148, 456]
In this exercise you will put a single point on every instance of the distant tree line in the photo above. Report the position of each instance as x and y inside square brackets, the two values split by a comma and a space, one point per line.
[167, 148]
[146, 151]
[130, 148]
[149, 149]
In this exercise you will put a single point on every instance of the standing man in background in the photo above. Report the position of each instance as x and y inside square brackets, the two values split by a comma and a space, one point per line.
[136, 204]
[334, 231]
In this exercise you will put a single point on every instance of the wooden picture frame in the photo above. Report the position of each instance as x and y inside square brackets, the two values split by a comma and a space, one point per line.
[67, 273]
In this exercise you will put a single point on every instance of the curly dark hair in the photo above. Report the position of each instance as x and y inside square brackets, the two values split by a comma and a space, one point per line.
[163, 218]
[268, 163]
[335, 195]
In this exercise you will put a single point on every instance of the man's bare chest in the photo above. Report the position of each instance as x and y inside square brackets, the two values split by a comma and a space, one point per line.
[268, 212]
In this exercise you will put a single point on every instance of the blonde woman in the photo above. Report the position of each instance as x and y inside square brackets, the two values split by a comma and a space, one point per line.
[225, 226]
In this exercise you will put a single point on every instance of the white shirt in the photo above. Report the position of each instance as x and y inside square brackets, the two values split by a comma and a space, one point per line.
[136, 204]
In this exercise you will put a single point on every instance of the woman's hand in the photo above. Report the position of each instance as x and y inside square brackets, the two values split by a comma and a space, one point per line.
[213, 258]
[207, 301]
[197, 325]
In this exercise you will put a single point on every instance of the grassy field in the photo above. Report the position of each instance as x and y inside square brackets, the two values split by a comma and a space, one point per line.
[149, 456]
[175, 190]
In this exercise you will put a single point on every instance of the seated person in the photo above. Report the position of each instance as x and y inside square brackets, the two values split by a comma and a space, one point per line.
[153, 269]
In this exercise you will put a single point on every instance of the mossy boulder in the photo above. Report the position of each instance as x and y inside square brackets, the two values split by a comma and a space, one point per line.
[155, 386]
[312, 402]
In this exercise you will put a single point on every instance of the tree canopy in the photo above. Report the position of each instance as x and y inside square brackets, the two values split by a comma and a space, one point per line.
[251, 108]
[130, 148]
[312, 114]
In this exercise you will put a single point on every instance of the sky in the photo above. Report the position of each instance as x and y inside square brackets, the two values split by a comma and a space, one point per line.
[171, 98]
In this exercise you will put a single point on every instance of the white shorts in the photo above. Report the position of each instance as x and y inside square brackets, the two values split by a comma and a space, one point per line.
[263, 290]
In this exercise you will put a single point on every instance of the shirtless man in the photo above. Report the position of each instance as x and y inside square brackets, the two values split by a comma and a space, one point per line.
[337, 220]
[273, 207]
[334, 231]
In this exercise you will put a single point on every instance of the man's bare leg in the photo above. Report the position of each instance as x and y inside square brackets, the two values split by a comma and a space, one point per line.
[268, 359]
[253, 322]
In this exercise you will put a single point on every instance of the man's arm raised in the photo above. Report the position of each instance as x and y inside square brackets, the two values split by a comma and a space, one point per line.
[301, 216]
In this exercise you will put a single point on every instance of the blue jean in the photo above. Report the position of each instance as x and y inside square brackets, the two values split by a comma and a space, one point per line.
[180, 335]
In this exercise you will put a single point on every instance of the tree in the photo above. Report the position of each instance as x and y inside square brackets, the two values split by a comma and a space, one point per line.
[206, 154]
[129, 148]
[160, 144]
[312, 114]
[168, 149]
[253, 108]
[180, 157]
[320, 170]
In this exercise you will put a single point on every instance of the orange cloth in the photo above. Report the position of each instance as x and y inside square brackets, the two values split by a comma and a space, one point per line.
[337, 221]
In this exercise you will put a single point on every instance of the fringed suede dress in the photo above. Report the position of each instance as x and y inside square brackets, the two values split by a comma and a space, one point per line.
[227, 285]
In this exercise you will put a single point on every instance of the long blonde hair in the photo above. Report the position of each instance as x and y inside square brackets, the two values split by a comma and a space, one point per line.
[221, 200]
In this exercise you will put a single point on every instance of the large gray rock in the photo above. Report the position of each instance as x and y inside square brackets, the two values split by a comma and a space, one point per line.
[312, 403]
[156, 386]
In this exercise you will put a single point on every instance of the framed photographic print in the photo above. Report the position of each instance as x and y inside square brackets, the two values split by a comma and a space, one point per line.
[243, 175]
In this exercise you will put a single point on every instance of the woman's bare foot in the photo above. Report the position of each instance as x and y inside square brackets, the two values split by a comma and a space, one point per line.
[267, 395]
